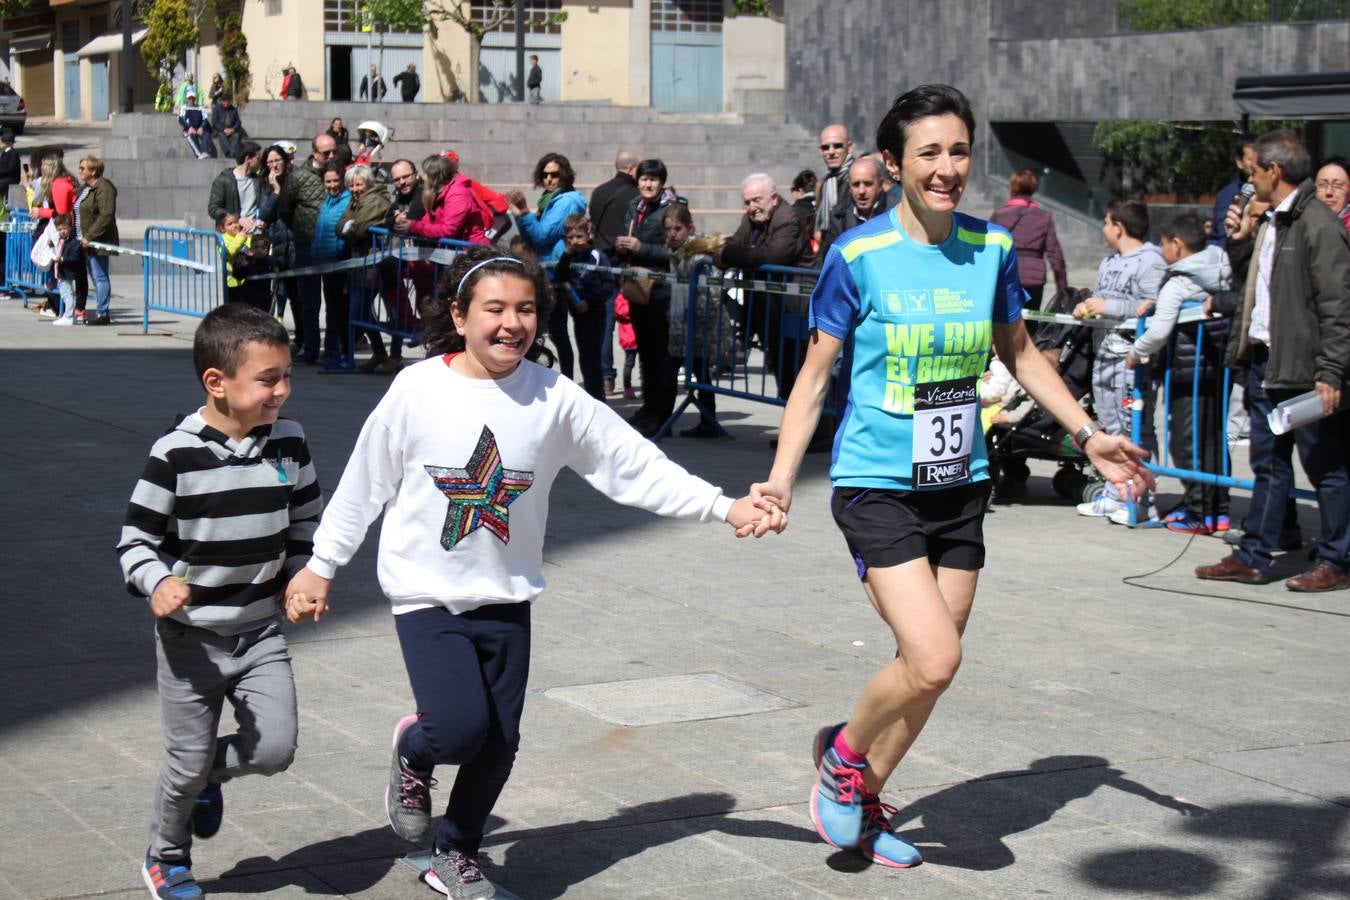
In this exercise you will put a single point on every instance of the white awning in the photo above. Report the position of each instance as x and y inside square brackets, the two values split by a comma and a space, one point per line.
[109, 43]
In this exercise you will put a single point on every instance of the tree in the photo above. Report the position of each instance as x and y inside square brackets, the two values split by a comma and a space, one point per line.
[234, 55]
[1172, 15]
[1184, 158]
[395, 15]
[170, 33]
[10, 8]
[461, 13]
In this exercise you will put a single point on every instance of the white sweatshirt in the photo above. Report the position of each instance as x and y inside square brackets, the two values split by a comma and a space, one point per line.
[437, 435]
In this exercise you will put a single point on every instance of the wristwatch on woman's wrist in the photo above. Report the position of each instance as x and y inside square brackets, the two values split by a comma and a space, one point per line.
[1081, 436]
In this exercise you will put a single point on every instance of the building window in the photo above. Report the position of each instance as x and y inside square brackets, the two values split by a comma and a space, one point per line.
[696, 16]
[271, 7]
[348, 16]
[485, 11]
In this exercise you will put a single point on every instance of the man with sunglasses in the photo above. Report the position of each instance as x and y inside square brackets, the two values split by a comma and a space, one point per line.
[300, 202]
[836, 148]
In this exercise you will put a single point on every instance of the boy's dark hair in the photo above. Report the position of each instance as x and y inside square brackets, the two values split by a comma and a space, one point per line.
[652, 168]
[919, 103]
[439, 326]
[225, 332]
[575, 221]
[1131, 215]
[63, 220]
[1187, 227]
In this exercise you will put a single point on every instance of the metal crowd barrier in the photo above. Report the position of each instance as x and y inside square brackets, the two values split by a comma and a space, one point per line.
[1219, 391]
[190, 290]
[22, 277]
[744, 338]
[400, 272]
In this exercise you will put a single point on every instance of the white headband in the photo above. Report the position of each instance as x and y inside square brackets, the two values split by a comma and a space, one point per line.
[511, 259]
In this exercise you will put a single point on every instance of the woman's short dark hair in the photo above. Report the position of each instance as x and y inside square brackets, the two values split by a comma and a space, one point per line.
[566, 176]
[331, 166]
[440, 333]
[805, 181]
[652, 168]
[920, 103]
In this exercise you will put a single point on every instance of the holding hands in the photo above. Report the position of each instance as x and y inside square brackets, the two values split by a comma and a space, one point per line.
[306, 595]
[756, 516]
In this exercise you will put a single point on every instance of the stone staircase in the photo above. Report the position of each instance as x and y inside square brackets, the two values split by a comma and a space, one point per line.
[159, 181]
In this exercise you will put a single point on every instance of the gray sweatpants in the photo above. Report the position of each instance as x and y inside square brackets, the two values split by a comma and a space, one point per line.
[198, 671]
[1112, 388]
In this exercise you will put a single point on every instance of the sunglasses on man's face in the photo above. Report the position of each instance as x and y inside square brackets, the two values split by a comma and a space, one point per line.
[831, 146]
[553, 174]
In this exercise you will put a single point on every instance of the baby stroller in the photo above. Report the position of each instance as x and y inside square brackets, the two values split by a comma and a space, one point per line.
[371, 137]
[1036, 435]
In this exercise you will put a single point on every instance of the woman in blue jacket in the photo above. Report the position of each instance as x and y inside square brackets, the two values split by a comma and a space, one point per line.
[327, 248]
[544, 231]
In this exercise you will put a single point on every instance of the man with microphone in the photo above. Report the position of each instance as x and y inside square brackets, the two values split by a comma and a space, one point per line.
[1292, 331]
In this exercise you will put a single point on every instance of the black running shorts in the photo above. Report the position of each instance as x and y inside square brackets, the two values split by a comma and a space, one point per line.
[887, 528]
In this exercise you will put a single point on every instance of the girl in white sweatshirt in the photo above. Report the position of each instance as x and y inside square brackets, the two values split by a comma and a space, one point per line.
[460, 456]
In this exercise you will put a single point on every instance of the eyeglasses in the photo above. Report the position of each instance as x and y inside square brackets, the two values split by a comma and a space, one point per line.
[1332, 185]
[327, 152]
[556, 173]
[824, 147]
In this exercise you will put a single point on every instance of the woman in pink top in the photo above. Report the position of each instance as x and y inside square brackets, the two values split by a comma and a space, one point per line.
[452, 210]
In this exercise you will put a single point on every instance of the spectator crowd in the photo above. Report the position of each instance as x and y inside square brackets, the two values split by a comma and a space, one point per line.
[1270, 269]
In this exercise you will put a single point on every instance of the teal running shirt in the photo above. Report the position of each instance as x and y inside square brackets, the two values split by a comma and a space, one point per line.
[916, 322]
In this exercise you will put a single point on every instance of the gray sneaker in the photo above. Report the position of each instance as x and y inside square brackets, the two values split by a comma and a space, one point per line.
[407, 800]
[457, 875]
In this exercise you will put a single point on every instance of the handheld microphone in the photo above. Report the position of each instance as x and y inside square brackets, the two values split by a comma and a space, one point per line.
[1245, 195]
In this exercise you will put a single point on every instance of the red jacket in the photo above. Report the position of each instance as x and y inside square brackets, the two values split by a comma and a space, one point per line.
[456, 214]
[63, 199]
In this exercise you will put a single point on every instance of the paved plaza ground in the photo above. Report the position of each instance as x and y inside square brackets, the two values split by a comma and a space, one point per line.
[1103, 739]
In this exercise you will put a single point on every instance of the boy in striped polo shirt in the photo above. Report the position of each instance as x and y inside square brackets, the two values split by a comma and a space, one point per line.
[221, 519]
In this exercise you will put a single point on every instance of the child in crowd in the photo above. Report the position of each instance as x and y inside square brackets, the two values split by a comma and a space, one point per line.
[588, 294]
[68, 266]
[225, 512]
[460, 455]
[714, 331]
[623, 317]
[256, 259]
[1195, 271]
[236, 245]
[196, 126]
[1127, 285]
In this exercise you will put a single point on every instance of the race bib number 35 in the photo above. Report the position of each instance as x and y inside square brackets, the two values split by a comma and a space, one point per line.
[946, 414]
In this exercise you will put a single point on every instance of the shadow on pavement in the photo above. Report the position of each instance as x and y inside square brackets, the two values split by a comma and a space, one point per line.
[1299, 840]
[990, 809]
[543, 863]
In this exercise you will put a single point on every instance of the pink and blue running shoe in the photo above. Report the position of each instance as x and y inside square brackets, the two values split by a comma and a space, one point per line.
[836, 800]
[879, 842]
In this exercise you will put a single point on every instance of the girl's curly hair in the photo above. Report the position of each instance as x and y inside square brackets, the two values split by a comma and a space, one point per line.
[439, 326]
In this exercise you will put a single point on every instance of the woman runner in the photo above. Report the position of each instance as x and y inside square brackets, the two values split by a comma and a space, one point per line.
[914, 300]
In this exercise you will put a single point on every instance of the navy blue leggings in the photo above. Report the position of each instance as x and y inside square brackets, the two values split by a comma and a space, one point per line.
[468, 674]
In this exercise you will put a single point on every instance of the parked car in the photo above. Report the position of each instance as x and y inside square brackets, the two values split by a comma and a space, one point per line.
[13, 111]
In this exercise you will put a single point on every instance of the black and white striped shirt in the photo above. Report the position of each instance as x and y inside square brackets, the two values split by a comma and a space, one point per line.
[235, 519]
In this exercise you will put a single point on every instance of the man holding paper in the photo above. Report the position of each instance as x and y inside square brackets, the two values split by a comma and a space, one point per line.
[1293, 333]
